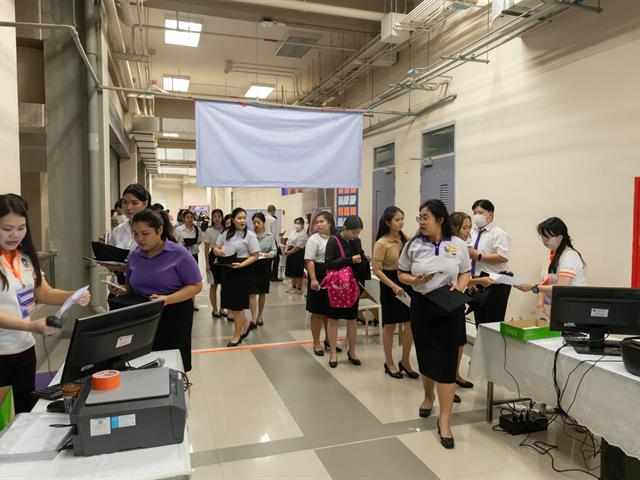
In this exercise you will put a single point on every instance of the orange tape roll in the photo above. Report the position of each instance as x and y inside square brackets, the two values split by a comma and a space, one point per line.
[106, 380]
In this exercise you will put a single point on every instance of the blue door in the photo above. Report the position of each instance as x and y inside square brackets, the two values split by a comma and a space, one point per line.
[438, 180]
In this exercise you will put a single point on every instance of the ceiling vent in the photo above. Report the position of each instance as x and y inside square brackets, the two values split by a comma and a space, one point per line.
[295, 45]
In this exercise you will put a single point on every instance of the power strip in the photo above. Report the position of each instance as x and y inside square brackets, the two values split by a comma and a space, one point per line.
[527, 421]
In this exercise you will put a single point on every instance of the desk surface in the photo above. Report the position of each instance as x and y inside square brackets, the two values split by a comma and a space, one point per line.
[167, 461]
[605, 403]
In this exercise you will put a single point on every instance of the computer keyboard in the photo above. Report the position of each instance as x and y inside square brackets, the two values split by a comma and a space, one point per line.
[52, 392]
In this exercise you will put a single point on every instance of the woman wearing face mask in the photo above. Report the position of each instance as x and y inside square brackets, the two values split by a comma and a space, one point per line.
[346, 254]
[386, 252]
[261, 275]
[214, 269]
[433, 259]
[294, 268]
[314, 261]
[21, 285]
[160, 269]
[563, 266]
[489, 252]
[238, 248]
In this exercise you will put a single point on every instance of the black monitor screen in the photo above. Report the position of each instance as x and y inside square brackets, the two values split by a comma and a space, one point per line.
[582, 309]
[107, 340]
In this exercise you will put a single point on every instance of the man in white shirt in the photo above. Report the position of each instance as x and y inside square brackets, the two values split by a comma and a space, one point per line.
[271, 227]
[489, 251]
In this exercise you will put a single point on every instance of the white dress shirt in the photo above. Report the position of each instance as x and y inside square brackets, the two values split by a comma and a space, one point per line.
[492, 240]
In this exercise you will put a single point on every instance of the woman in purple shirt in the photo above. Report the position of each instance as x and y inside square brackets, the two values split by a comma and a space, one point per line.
[160, 269]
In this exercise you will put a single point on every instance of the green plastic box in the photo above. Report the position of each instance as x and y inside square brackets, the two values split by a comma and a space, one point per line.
[5, 406]
[527, 330]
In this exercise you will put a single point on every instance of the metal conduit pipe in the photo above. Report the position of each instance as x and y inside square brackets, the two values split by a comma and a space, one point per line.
[92, 24]
[245, 37]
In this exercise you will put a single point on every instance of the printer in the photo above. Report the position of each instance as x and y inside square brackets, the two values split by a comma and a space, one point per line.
[148, 409]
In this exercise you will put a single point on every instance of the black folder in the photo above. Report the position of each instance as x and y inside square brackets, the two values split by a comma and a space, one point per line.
[448, 299]
[109, 253]
[189, 242]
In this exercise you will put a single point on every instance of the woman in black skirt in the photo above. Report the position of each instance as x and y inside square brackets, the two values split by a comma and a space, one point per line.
[314, 261]
[386, 252]
[294, 268]
[214, 269]
[237, 248]
[434, 258]
[261, 275]
[353, 258]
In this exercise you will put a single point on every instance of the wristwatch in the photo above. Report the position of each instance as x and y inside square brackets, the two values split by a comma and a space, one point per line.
[535, 289]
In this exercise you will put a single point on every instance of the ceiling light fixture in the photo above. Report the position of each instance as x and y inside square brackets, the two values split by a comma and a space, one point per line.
[170, 135]
[182, 32]
[175, 83]
[259, 91]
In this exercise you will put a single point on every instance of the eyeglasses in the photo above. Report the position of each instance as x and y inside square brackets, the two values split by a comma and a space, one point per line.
[421, 219]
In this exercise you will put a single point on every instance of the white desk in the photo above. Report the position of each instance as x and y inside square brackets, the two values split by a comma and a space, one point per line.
[608, 399]
[168, 461]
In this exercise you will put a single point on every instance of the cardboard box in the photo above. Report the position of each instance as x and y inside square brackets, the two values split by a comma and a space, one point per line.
[527, 330]
[6, 406]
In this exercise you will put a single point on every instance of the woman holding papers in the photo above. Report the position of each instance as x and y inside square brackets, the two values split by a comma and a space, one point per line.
[237, 248]
[160, 269]
[21, 285]
[386, 252]
[436, 265]
[314, 261]
[214, 269]
[189, 235]
[489, 252]
[261, 275]
[563, 266]
[294, 267]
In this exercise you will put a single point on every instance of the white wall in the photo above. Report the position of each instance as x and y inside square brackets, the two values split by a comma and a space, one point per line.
[169, 193]
[9, 138]
[548, 128]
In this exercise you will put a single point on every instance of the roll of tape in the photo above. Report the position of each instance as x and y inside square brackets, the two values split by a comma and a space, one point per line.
[106, 380]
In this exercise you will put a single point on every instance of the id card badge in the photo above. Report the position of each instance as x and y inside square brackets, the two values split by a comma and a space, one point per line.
[27, 301]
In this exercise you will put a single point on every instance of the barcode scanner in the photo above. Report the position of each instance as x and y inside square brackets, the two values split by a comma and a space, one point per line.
[53, 321]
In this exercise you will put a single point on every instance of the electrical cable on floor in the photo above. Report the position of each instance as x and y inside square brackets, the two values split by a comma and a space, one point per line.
[46, 352]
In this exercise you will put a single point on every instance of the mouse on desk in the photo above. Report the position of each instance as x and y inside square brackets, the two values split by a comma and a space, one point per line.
[57, 406]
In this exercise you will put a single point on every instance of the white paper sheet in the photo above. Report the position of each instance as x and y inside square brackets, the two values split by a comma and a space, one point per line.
[71, 300]
[406, 299]
[506, 279]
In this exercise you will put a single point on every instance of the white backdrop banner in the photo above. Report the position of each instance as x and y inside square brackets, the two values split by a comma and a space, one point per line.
[241, 145]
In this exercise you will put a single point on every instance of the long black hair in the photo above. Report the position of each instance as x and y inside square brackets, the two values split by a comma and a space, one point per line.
[552, 227]
[139, 192]
[156, 220]
[330, 220]
[385, 220]
[439, 211]
[214, 211]
[231, 231]
[12, 203]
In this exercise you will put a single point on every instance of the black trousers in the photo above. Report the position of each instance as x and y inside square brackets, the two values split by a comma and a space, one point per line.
[275, 265]
[19, 371]
[494, 307]
[174, 330]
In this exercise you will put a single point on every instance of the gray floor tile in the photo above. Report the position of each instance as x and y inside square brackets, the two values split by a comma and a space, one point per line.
[377, 459]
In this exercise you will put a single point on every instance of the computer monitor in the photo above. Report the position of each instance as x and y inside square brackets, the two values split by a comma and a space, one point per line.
[109, 340]
[596, 311]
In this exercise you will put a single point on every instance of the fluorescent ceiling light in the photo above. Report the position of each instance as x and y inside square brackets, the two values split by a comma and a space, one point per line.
[175, 83]
[170, 135]
[259, 91]
[182, 32]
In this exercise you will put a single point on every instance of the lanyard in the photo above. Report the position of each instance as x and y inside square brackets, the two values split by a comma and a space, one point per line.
[10, 263]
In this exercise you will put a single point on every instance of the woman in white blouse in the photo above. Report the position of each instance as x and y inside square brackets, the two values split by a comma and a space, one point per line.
[563, 265]
[295, 256]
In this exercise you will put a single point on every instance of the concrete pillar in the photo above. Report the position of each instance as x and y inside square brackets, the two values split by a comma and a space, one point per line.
[9, 130]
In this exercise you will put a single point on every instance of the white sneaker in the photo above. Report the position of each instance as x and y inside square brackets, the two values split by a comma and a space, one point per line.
[291, 290]
[297, 291]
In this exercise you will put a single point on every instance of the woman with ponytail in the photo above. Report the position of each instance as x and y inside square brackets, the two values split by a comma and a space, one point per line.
[563, 265]
[160, 269]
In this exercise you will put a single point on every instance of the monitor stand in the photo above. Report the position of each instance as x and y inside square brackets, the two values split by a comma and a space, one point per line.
[595, 344]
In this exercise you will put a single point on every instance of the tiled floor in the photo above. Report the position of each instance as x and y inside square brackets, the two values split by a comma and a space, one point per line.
[278, 411]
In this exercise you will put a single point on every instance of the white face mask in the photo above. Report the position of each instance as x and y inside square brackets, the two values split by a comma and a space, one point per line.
[479, 220]
[552, 243]
[298, 227]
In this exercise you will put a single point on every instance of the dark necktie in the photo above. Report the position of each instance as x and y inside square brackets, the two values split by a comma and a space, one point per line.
[475, 246]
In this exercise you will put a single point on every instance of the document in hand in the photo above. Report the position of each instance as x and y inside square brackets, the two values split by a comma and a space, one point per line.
[104, 252]
[448, 299]
[506, 279]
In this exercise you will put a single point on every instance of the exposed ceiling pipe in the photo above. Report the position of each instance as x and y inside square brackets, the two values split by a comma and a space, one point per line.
[246, 37]
[125, 9]
[309, 7]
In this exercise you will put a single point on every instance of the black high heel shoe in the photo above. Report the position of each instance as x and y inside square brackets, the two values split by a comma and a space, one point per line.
[464, 384]
[319, 353]
[446, 442]
[410, 373]
[424, 412]
[235, 344]
[456, 399]
[333, 364]
[388, 371]
[327, 347]
[354, 361]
